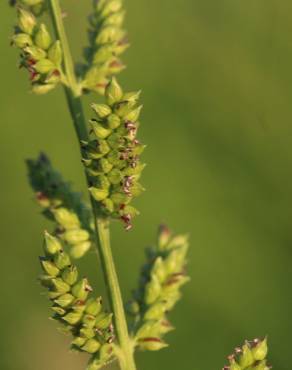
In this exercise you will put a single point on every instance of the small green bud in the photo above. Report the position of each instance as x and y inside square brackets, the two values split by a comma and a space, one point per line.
[159, 270]
[76, 236]
[91, 346]
[103, 320]
[133, 116]
[260, 350]
[115, 19]
[174, 261]
[66, 218]
[55, 53]
[105, 351]
[53, 77]
[119, 198]
[99, 130]
[103, 182]
[51, 244]
[115, 176]
[112, 6]
[65, 300]
[44, 66]
[104, 165]
[133, 308]
[50, 268]
[137, 189]
[42, 38]
[171, 298]
[148, 329]
[108, 205]
[178, 241]
[113, 92]
[165, 326]
[93, 306]
[62, 260]
[80, 249]
[87, 332]
[152, 290]
[40, 89]
[46, 281]
[89, 321]
[103, 54]
[234, 365]
[81, 289]
[79, 341]
[73, 317]
[152, 344]
[99, 194]
[130, 210]
[123, 108]
[60, 286]
[103, 146]
[70, 275]
[164, 235]
[60, 311]
[35, 53]
[102, 110]
[155, 312]
[246, 358]
[26, 21]
[115, 141]
[22, 40]
[113, 121]
[262, 365]
[109, 34]
[132, 97]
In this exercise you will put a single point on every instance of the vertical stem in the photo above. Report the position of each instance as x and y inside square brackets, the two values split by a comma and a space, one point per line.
[125, 349]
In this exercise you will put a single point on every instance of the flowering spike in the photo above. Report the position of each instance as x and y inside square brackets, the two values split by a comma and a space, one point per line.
[41, 59]
[61, 205]
[159, 290]
[111, 156]
[107, 42]
[85, 318]
[252, 355]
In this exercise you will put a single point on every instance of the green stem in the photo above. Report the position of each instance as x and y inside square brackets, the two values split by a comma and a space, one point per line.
[125, 349]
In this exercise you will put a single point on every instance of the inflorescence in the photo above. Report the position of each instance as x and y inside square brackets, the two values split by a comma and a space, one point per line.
[40, 55]
[80, 315]
[72, 218]
[251, 356]
[160, 283]
[107, 41]
[112, 155]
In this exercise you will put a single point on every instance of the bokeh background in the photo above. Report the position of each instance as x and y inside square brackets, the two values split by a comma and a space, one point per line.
[217, 89]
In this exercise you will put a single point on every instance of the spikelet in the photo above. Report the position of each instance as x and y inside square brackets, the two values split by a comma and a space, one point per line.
[72, 306]
[40, 54]
[161, 280]
[61, 205]
[251, 356]
[37, 7]
[112, 155]
[107, 42]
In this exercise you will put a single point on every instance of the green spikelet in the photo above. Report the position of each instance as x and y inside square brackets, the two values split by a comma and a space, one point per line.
[111, 156]
[37, 7]
[161, 280]
[251, 356]
[81, 315]
[61, 205]
[107, 41]
[37, 48]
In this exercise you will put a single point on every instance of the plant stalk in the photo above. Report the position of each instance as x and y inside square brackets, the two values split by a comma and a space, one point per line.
[125, 348]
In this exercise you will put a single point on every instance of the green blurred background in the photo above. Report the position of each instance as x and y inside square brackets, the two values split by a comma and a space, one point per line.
[217, 89]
